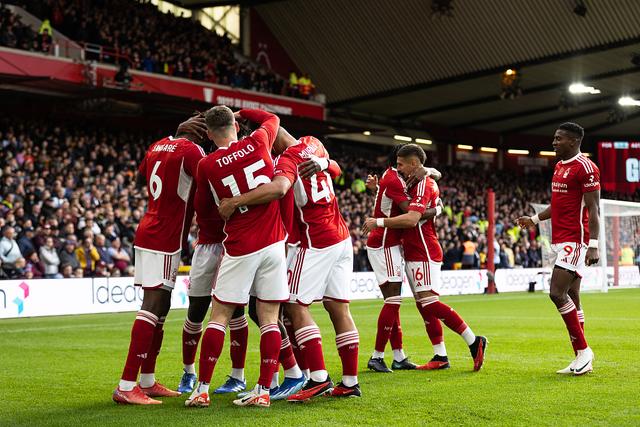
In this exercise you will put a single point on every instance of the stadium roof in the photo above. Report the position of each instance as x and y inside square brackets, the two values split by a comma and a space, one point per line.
[396, 64]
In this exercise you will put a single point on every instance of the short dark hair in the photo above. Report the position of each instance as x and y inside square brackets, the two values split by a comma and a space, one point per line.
[409, 150]
[218, 117]
[573, 128]
[393, 155]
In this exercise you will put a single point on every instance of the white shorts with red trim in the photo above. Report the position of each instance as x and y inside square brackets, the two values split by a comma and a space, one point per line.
[423, 275]
[156, 270]
[204, 269]
[387, 263]
[570, 256]
[291, 254]
[262, 273]
[317, 274]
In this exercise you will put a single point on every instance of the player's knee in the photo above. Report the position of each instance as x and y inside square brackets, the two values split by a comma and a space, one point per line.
[198, 307]
[157, 302]
[558, 297]
[390, 289]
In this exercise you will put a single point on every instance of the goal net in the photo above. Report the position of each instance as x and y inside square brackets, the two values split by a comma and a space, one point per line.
[619, 246]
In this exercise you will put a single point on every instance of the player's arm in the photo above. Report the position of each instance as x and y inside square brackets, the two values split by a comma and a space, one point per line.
[421, 173]
[265, 193]
[317, 164]
[592, 202]
[531, 221]
[268, 125]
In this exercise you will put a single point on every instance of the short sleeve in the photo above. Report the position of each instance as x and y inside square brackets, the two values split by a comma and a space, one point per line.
[422, 195]
[193, 155]
[589, 178]
[287, 166]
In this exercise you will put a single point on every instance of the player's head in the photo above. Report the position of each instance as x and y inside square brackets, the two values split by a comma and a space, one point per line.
[567, 140]
[195, 129]
[410, 157]
[283, 141]
[393, 156]
[221, 125]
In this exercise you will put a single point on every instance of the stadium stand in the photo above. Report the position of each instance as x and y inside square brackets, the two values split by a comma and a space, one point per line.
[71, 187]
[165, 44]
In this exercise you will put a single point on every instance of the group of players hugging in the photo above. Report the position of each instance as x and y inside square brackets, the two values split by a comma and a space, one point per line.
[271, 236]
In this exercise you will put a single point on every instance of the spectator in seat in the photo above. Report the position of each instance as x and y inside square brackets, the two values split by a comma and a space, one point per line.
[121, 258]
[10, 251]
[34, 269]
[51, 260]
[88, 256]
[25, 242]
[451, 256]
[68, 253]
[45, 41]
[67, 271]
[103, 251]
[469, 253]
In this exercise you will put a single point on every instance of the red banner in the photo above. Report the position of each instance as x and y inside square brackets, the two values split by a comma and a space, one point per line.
[27, 64]
[619, 163]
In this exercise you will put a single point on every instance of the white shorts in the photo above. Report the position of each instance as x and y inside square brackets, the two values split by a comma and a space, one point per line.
[387, 263]
[156, 270]
[423, 275]
[204, 269]
[570, 256]
[291, 254]
[317, 274]
[263, 274]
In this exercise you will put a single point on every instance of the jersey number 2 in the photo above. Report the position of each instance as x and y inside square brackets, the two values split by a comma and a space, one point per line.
[252, 180]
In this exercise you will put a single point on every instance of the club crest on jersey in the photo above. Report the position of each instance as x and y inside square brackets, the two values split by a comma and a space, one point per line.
[566, 173]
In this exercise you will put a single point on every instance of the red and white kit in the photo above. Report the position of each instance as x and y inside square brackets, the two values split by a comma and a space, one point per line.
[254, 259]
[569, 216]
[324, 261]
[383, 245]
[422, 251]
[169, 167]
[208, 251]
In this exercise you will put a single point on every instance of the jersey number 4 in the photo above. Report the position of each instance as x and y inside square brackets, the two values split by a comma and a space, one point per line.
[325, 192]
[252, 180]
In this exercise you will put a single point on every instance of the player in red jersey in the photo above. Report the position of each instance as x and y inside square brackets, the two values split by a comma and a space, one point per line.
[254, 258]
[322, 267]
[168, 169]
[423, 255]
[385, 255]
[575, 198]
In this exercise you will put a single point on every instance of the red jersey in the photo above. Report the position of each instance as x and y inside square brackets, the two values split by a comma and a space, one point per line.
[289, 216]
[210, 223]
[237, 169]
[420, 243]
[321, 222]
[169, 167]
[391, 192]
[569, 215]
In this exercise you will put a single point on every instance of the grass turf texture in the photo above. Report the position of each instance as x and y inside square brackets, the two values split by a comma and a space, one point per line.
[62, 370]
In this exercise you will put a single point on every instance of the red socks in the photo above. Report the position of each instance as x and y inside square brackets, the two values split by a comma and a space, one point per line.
[310, 344]
[302, 364]
[270, 342]
[431, 306]
[142, 334]
[386, 321]
[149, 364]
[348, 344]
[576, 334]
[238, 335]
[396, 334]
[191, 333]
[287, 358]
[212, 343]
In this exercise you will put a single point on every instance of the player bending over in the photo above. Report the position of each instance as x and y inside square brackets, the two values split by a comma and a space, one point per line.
[575, 196]
[168, 169]
[423, 256]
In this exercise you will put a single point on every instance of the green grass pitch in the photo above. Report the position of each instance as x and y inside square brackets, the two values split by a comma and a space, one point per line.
[62, 370]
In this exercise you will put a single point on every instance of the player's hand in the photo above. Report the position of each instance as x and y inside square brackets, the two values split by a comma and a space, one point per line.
[525, 222]
[417, 176]
[237, 115]
[309, 168]
[226, 208]
[592, 256]
[369, 224]
[372, 182]
[193, 126]
[439, 203]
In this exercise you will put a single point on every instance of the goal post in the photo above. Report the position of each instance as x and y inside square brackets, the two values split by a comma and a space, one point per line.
[619, 249]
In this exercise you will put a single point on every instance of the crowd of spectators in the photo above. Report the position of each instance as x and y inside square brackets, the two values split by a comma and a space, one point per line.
[17, 35]
[152, 41]
[69, 206]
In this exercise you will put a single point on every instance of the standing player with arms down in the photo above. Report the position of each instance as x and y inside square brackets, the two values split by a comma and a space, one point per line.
[254, 259]
[423, 255]
[168, 169]
[321, 269]
[575, 196]
[385, 255]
